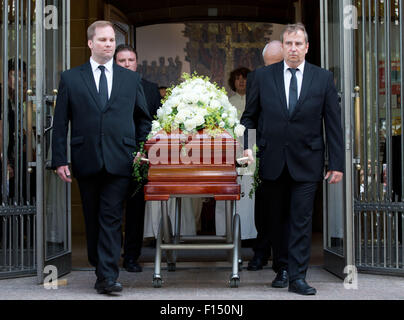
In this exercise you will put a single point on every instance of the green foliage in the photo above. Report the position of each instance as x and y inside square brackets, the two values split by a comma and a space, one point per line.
[256, 181]
[140, 169]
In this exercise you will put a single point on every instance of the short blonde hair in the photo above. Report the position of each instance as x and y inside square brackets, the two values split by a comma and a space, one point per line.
[292, 28]
[97, 24]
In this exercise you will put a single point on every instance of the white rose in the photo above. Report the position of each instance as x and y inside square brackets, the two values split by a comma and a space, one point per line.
[167, 110]
[174, 101]
[204, 98]
[221, 124]
[199, 81]
[199, 120]
[202, 111]
[214, 104]
[231, 121]
[239, 130]
[160, 113]
[175, 92]
[182, 115]
[190, 124]
[224, 100]
[155, 125]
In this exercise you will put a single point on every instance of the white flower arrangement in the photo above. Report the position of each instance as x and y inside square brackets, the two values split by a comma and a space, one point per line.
[197, 104]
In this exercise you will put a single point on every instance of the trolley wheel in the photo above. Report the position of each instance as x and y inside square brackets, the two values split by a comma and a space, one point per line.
[171, 267]
[157, 282]
[234, 282]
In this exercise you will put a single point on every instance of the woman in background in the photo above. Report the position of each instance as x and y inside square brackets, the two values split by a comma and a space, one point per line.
[238, 83]
[244, 207]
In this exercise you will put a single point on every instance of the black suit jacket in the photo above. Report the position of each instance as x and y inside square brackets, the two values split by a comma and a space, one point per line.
[152, 94]
[99, 136]
[250, 79]
[297, 139]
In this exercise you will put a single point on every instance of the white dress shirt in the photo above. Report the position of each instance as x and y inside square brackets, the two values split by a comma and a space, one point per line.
[97, 74]
[288, 75]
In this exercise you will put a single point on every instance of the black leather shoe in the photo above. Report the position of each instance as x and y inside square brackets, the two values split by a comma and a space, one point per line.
[281, 280]
[131, 265]
[107, 286]
[300, 286]
[256, 263]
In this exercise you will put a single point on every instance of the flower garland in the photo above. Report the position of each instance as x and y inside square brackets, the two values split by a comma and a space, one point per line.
[197, 104]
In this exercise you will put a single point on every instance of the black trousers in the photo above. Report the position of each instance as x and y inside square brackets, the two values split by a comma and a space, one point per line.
[290, 206]
[134, 223]
[262, 247]
[102, 197]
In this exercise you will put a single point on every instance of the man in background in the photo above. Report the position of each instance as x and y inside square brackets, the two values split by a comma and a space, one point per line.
[271, 54]
[126, 57]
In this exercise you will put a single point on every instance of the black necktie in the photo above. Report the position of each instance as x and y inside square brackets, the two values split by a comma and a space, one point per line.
[292, 90]
[103, 87]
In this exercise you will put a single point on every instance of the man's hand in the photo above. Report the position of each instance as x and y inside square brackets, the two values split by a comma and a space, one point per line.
[64, 173]
[336, 176]
[140, 156]
[249, 153]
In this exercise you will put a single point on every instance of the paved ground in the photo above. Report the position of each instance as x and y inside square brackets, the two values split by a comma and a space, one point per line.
[203, 281]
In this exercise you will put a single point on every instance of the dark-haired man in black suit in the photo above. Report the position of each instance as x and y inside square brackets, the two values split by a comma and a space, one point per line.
[126, 57]
[108, 116]
[288, 104]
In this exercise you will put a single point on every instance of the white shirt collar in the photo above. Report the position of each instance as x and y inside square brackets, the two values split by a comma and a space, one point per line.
[300, 67]
[94, 65]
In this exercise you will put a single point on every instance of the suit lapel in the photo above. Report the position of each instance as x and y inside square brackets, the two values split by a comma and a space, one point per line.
[306, 83]
[280, 84]
[88, 78]
[116, 83]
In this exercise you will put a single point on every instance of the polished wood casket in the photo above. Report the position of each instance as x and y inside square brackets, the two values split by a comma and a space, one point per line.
[192, 165]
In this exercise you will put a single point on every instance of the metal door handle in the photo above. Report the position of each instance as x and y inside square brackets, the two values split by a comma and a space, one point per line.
[53, 100]
[357, 111]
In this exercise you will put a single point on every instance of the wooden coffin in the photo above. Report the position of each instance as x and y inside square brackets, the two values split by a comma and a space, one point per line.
[192, 165]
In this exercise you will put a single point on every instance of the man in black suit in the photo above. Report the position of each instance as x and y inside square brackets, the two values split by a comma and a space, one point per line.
[272, 53]
[108, 116]
[288, 104]
[126, 57]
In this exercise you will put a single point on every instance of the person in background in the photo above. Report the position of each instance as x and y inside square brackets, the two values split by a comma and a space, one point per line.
[163, 92]
[244, 207]
[126, 56]
[271, 54]
[238, 83]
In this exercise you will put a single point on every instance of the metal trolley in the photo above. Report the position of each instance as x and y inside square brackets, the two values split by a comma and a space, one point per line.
[170, 242]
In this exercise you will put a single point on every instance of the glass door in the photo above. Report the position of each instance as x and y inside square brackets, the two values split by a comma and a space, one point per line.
[18, 210]
[337, 52]
[53, 195]
[379, 161]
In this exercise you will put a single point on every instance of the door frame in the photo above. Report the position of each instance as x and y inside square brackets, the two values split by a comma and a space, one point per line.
[61, 261]
[333, 262]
